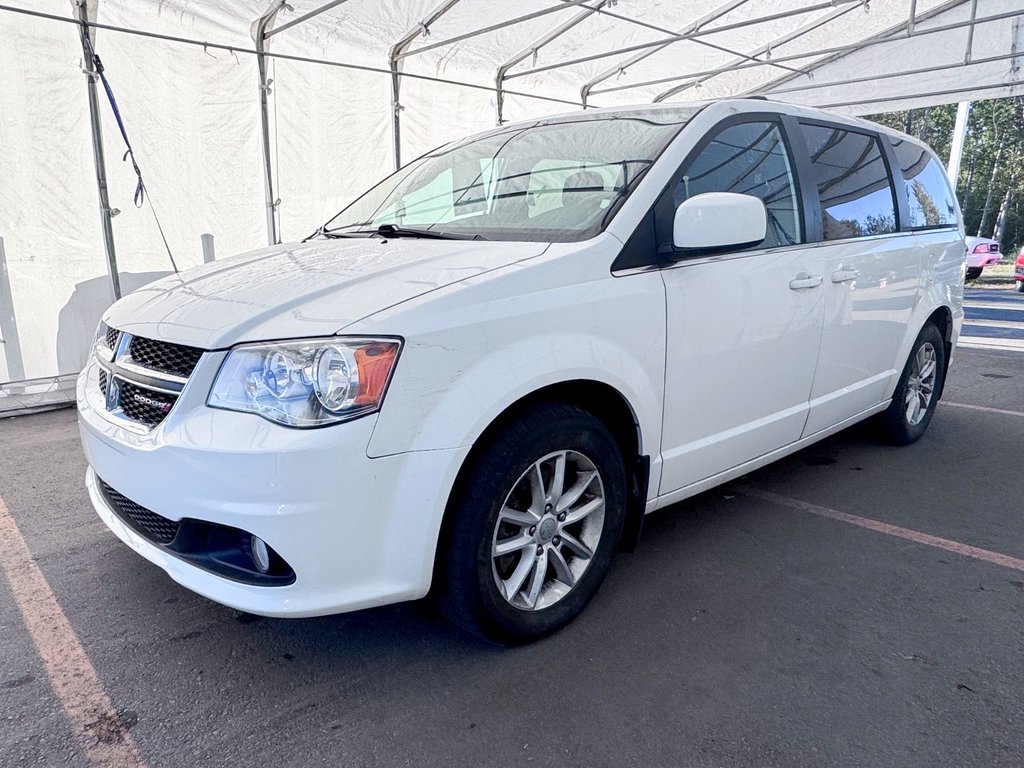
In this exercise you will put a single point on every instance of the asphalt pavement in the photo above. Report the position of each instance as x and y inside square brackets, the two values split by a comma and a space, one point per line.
[751, 627]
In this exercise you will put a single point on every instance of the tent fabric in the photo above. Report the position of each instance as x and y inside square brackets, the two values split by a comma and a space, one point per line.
[193, 113]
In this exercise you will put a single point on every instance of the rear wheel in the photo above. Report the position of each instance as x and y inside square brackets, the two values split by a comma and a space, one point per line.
[535, 527]
[1019, 286]
[918, 390]
[973, 273]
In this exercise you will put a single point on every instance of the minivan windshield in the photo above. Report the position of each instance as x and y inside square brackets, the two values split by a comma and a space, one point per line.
[543, 182]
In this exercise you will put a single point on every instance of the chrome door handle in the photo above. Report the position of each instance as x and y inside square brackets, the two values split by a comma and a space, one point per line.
[804, 281]
[843, 275]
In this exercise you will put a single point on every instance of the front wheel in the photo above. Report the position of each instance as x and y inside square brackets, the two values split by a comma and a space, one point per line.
[1019, 287]
[535, 526]
[918, 390]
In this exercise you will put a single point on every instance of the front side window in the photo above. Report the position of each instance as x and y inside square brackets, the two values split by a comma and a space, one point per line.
[853, 183]
[749, 159]
[929, 197]
[557, 181]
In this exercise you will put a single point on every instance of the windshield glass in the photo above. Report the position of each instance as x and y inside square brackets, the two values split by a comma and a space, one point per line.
[546, 182]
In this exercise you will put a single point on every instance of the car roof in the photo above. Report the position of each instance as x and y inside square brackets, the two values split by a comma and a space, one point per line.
[686, 110]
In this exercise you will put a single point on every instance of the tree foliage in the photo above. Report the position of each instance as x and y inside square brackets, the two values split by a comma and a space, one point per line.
[992, 169]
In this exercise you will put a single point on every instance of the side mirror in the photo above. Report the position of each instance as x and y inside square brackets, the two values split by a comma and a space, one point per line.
[719, 221]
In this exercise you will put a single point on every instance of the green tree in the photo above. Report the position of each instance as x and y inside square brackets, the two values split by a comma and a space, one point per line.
[991, 182]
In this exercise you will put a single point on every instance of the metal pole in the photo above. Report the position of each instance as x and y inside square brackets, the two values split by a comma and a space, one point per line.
[395, 64]
[764, 49]
[263, 24]
[106, 212]
[956, 151]
[531, 50]
[707, 18]
[970, 31]
[208, 254]
[9, 326]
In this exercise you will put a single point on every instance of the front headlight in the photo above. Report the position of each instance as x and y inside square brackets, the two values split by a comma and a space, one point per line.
[306, 383]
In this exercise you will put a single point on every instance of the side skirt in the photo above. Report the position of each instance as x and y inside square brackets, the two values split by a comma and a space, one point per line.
[731, 474]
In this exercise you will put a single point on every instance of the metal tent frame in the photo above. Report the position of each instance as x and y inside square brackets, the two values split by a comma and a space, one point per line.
[800, 64]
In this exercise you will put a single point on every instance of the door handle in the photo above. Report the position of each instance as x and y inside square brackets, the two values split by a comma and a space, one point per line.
[845, 274]
[804, 281]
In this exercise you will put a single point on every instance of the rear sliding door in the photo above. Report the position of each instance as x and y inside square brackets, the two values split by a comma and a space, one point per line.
[871, 271]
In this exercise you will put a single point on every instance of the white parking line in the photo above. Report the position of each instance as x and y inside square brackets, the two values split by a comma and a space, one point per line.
[72, 676]
[1009, 306]
[985, 342]
[984, 408]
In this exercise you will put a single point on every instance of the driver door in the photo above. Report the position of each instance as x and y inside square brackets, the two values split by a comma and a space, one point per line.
[743, 327]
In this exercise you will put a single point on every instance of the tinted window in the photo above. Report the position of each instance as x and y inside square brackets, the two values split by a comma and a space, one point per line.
[853, 183]
[929, 197]
[751, 159]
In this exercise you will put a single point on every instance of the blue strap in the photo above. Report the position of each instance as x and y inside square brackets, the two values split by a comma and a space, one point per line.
[140, 186]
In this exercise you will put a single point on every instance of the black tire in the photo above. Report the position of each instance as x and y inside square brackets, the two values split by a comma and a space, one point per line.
[1019, 286]
[896, 424]
[469, 594]
[973, 273]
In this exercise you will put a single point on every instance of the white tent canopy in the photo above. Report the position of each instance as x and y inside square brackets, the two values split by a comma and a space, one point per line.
[351, 84]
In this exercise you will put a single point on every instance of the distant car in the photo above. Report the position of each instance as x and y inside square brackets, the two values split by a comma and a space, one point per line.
[1018, 272]
[981, 252]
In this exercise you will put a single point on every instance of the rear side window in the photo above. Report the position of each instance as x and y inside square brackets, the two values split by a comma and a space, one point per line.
[751, 159]
[853, 183]
[929, 197]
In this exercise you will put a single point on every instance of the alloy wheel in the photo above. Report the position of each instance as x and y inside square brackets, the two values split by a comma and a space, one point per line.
[548, 530]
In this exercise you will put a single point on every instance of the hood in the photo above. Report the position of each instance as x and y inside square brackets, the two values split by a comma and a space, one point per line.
[303, 289]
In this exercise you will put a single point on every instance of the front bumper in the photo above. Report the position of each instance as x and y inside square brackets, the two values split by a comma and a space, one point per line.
[358, 532]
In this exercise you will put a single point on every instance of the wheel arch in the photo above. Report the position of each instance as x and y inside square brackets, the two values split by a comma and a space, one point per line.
[601, 400]
[942, 318]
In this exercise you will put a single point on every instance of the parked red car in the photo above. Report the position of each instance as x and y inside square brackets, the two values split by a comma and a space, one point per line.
[1018, 272]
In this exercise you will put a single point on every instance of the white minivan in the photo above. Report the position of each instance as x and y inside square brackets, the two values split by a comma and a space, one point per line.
[475, 380]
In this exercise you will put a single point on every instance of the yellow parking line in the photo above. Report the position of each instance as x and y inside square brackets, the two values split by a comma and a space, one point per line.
[72, 676]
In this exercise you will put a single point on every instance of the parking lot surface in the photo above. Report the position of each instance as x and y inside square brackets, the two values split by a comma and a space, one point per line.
[854, 604]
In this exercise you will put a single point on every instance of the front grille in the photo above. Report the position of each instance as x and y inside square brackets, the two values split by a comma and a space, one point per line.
[145, 405]
[176, 359]
[144, 378]
[154, 527]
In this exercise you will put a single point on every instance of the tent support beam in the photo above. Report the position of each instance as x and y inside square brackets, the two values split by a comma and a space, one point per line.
[886, 35]
[305, 17]
[839, 49]
[764, 49]
[493, 27]
[260, 35]
[530, 50]
[691, 36]
[636, 58]
[96, 130]
[888, 75]
[956, 149]
[970, 32]
[395, 65]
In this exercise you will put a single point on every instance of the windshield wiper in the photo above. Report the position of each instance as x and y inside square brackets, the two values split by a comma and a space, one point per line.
[333, 233]
[390, 230]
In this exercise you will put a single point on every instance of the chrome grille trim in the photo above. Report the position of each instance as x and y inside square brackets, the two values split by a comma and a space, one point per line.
[120, 376]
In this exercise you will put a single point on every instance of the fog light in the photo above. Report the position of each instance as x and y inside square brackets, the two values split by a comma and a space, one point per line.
[260, 554]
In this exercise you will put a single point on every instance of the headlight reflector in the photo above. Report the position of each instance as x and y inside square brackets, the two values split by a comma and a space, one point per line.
[308, 383]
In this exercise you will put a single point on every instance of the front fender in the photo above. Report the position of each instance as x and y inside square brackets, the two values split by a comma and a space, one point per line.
[485, 345]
